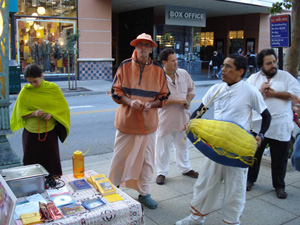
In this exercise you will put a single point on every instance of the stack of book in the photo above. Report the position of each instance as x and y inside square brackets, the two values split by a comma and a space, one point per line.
[105, 187]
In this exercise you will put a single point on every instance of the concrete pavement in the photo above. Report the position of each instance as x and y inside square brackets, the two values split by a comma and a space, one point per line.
[262, 206]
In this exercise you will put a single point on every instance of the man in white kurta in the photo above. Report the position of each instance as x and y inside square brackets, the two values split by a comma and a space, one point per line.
[279, 89]
[234, 102]
[172, 118]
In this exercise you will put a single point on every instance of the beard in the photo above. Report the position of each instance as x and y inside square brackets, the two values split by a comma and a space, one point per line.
[268, 73]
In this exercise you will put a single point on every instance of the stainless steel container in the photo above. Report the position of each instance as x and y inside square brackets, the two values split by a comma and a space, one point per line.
[25, 180]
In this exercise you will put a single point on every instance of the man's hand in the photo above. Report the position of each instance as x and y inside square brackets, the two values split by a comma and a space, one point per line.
[264, 88]
[258, 140]
[148, 106]
[270, 93]
[136, 104]
[181, 101]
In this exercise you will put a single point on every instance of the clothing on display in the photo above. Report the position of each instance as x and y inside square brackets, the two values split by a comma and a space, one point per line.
[46, 51]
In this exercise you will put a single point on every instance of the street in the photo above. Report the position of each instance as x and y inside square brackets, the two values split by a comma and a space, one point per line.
[92, 125]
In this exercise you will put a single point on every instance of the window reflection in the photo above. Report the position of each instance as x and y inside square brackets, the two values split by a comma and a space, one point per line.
[57, 8]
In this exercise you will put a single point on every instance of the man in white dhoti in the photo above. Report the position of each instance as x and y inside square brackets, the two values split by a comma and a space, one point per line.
[234, 102]
[140, 87]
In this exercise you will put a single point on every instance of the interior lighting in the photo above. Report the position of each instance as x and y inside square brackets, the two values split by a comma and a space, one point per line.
[34, 3]
[41, 10]
[22, 6]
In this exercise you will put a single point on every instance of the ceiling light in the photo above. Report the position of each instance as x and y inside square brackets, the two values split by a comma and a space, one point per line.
[34, 3]
[41, 10]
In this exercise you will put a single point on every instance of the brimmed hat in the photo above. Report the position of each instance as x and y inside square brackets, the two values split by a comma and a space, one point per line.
[143, 37]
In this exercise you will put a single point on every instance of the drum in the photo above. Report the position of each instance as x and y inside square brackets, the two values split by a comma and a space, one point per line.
[224, 142]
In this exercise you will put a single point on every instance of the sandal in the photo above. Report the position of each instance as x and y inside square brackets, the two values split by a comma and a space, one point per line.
[147, 201]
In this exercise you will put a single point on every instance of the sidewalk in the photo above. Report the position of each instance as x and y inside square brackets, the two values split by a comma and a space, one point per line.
[94, 87]
[262, 206]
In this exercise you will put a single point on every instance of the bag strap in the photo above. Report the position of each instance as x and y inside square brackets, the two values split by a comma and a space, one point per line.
[205, 108]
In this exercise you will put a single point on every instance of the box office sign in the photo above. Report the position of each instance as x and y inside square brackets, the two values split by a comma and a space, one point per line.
[185, 16]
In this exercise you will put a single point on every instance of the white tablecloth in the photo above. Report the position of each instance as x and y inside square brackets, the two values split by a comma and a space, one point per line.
[128, 211]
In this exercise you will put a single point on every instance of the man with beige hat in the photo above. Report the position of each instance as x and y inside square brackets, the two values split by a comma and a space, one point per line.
[140, 87]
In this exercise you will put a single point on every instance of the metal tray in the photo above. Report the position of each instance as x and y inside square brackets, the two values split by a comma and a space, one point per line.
[25, 180]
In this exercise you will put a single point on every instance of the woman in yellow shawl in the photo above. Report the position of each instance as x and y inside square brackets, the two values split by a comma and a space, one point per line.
[38, 108]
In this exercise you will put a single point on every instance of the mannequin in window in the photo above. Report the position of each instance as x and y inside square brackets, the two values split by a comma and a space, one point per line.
[57, 50]
[46, 52]
[35, 52]
[57, 56]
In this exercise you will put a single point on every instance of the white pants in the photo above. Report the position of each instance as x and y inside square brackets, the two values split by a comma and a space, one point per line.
[207, 190]
[163, 146]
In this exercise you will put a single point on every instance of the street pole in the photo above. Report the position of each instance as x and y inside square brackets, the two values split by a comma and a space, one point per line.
[8, 157]
[280, 58]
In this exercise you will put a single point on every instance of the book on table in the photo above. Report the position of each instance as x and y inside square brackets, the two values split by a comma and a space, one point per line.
[92, 203]
[92, 179]
[80, 185]
[105, 187]
[72, 209]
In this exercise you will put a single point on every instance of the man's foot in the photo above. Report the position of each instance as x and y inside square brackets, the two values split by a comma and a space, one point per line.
[192, 174]
[147, 201]
[249, 185]
[191, 220]
[160, 179]
[280, 192]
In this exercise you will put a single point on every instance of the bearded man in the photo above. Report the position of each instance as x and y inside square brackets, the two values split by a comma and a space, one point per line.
[279, 89]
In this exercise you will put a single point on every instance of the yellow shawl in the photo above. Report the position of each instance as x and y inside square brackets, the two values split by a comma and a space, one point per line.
[47, 97]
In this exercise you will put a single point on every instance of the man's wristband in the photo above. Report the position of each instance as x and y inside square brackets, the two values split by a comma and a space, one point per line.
[261, 136]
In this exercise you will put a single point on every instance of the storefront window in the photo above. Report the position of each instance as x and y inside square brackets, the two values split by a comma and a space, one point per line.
[52, 8]
[207, 39]
[239, 34]
[186, 43]
[43, 42]
[236, 40]
[181, 38]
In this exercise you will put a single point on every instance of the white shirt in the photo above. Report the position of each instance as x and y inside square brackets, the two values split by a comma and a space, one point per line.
[282, 125]
[172, 118]
[235, 103]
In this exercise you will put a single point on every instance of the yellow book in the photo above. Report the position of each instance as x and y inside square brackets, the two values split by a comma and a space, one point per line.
[92, 179]
[105, 187]
[31, 218]
[113, 197]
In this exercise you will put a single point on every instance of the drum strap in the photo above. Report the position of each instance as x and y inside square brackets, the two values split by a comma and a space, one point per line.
[205, 108]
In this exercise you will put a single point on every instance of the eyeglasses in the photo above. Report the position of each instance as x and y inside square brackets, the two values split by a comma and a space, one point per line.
[146, 44]
[227, 66]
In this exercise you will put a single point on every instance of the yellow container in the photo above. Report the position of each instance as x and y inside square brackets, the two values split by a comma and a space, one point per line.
[78, 164]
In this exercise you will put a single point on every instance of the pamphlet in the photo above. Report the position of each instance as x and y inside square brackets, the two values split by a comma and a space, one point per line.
[113, 197]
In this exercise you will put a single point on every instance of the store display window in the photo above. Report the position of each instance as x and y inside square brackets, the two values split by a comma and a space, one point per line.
[184, 40]
[186, 43]
[43, 42]
[49, 8]
[207, 45]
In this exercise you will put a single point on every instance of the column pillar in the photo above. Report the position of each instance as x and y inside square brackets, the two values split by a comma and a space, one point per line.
[8, 157]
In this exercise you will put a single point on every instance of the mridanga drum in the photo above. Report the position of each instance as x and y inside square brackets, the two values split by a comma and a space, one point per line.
[224, 142]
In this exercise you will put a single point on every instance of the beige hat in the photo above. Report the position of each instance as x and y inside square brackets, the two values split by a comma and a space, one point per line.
[143, 37]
